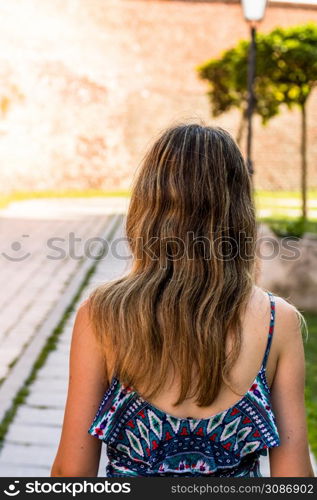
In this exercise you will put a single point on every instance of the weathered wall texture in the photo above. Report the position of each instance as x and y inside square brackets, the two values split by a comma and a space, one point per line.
[91, 83]
[289, 268]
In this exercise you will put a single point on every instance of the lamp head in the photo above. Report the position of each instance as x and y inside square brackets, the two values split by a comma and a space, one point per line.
[253, 10]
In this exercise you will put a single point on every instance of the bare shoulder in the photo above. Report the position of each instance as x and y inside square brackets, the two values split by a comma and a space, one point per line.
[85, 346]
[287, 316]
[288, 320]
[83, 324]
[288, 324]
[85, 333]
[83, 311]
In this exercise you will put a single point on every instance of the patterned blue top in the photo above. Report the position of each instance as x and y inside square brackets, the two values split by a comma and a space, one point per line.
[143, 440]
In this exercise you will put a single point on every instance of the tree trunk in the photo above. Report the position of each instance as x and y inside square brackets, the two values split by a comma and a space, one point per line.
[304, 161]
[241, 128]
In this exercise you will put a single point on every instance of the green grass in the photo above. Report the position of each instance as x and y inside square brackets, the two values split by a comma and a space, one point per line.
[285, 212]
[5, 199]
[294, 227]
[276, 200]
[311, 380]
[262, 194]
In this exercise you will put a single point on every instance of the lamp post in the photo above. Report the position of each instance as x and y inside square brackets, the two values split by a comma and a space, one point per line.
[253, 11]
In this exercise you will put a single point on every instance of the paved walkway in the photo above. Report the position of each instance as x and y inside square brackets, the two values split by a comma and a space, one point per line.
[39, 257]
[31, 443]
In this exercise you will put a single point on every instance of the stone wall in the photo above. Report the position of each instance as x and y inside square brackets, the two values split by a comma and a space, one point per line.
[288, 267]
[89, 84]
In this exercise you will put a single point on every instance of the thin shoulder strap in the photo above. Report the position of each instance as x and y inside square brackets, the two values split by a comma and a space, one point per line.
[271, 329]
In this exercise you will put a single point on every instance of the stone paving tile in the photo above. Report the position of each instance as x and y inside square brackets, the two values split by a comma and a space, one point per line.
[24, 471]
[32, 434]
[56, 359]
[49, 399]
[39, 416]
[54, 373]
[41, 385]
[14, 454]
[265, 466]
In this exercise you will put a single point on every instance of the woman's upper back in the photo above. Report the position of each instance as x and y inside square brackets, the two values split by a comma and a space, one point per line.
[255, 338]
[155, 438]
[255, 331]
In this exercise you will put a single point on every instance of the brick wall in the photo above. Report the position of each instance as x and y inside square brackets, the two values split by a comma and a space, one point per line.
[99, 81]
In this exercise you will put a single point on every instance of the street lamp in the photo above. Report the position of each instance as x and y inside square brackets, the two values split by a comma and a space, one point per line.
[253, 11]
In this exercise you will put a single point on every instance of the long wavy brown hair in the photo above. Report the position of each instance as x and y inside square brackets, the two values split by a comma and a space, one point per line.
[191, 230]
